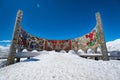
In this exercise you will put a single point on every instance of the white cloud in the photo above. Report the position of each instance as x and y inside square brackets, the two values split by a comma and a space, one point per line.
[5, 41]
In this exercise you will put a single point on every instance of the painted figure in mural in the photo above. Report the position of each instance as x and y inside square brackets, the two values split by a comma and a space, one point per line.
[93, 37]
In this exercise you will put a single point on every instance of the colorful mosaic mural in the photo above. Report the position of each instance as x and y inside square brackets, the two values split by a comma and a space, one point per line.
[27, 41]
[90, 40]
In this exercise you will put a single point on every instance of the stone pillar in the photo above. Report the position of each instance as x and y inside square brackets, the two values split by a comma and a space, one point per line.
[13, 46]
[101, 35]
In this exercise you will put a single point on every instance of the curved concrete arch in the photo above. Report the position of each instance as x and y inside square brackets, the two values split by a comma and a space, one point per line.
[89, 50]
[71, 51]
[63, 51]
[97, 50]
[80, 51]
[34, 51]
[86, 50]
[24, 40]
[24, 50]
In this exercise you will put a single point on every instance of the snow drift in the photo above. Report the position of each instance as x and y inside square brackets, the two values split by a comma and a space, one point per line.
[61, 66]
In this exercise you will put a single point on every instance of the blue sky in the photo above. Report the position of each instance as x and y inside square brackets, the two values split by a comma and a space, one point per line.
[60, 19]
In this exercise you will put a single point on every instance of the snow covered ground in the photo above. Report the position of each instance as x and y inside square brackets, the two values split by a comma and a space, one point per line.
[61, 66]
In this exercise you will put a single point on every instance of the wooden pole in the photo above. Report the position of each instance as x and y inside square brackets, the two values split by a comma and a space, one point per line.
[13, 46]
[102, 39]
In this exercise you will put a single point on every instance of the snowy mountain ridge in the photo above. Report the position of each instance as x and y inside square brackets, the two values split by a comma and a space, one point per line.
[113, 45]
